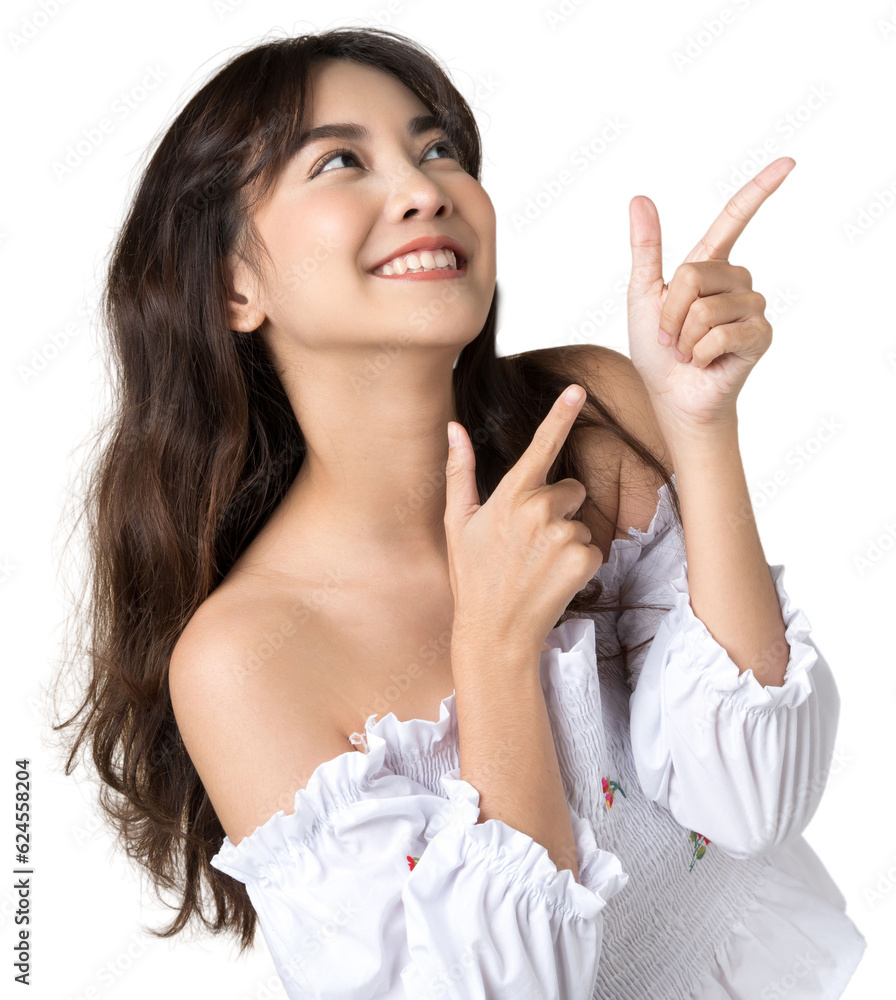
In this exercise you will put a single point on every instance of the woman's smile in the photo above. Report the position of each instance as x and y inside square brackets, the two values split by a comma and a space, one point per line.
[437, 255]
[447, 271]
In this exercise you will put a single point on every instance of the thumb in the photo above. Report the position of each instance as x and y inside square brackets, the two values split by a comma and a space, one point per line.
[647, 244]
[461, 494]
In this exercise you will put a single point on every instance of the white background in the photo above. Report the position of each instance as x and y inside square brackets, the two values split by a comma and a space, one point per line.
[542, 84]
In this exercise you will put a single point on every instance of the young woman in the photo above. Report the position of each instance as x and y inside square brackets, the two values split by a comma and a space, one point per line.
[602, 724]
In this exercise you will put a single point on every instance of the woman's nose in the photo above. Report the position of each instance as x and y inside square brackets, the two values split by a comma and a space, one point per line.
[411, 189]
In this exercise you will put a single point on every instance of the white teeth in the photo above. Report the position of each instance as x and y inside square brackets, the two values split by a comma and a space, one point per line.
[425, 260]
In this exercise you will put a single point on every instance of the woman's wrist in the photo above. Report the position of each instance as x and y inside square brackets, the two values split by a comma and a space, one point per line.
[483, 658]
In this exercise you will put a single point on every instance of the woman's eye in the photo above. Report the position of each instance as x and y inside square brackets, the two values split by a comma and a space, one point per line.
[338, 154]
[335, 155]
[444, 144]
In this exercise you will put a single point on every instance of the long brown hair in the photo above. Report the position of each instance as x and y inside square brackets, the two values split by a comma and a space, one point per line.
[201, 442]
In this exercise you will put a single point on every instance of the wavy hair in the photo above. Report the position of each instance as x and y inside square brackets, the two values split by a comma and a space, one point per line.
[200, 442]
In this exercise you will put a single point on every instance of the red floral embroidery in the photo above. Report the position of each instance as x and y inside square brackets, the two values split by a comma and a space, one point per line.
[700, 844]
[609, 787]
[412, 861]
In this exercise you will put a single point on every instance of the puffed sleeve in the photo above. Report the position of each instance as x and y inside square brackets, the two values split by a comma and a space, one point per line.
[376, 888]
[742, 764]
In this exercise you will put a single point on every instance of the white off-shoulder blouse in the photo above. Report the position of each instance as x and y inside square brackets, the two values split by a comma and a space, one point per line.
[688, 783]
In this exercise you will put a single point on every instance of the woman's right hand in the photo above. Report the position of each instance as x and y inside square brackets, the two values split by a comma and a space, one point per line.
[516, 561]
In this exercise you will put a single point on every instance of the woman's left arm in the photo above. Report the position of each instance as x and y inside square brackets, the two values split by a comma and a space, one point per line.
[693, 343]
[731, 588]
[741, 759]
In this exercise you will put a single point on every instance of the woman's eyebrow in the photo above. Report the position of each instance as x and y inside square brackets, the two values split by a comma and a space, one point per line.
[353, 132]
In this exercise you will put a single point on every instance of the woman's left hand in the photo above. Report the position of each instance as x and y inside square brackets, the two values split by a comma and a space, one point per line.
[715, 319]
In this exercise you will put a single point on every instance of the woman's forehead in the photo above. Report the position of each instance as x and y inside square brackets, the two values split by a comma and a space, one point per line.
[337, 85]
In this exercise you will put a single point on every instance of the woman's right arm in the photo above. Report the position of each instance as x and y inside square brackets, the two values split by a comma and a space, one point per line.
[367, 884]
[515, 562]
[482, 914]
[506, 744]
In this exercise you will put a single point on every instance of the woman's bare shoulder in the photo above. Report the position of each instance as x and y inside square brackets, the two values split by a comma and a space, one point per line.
[613, 379]
[600, 450]
[252, 717]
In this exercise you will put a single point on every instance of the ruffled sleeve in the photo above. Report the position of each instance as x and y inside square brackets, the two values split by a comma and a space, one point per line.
[375, 887]
[742, 764]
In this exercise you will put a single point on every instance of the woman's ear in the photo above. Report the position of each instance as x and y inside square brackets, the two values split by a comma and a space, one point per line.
[244, 309]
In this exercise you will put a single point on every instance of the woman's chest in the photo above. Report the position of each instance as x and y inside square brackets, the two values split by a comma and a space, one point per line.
[387, 656]
[411, 684]
[392, 653]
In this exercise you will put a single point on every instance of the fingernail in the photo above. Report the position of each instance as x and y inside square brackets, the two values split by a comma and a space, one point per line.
[573, 395]
[452, 435]
[665, 338]
[678, 355]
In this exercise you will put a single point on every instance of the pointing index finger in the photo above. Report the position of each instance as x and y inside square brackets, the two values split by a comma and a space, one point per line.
[531, 469]
[719, 239]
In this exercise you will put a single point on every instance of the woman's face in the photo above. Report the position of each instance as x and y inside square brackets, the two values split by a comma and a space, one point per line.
[332, 217]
